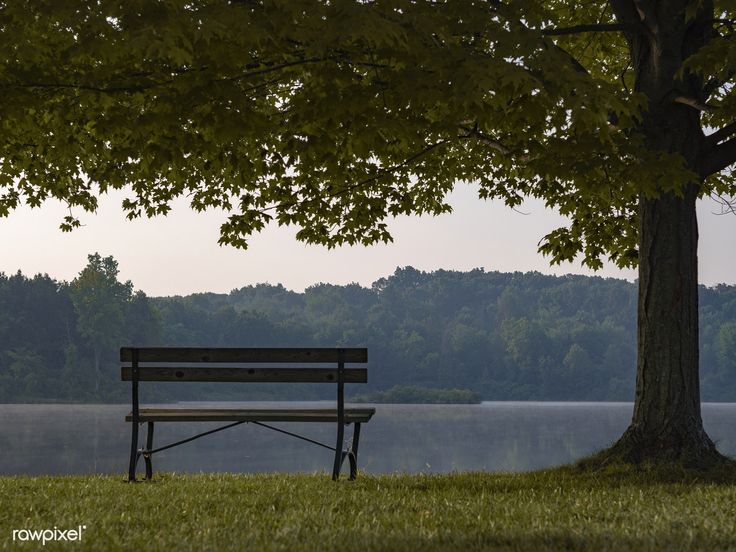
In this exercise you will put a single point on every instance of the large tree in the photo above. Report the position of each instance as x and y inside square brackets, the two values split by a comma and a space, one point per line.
[336, 115]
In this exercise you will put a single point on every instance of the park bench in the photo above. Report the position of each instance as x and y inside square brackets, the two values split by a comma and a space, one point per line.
[245, 365]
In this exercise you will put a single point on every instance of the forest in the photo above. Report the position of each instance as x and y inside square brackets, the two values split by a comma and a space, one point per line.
[504, 336]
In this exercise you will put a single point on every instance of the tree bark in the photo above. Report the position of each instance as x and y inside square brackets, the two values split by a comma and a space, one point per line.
[667, 424]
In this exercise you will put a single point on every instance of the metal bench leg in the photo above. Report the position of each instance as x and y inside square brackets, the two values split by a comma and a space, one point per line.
[133, 452]
[353, 453]
[339, 453]
[147, 455]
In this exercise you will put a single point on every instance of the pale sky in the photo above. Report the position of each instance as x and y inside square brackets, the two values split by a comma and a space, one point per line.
[178, 254]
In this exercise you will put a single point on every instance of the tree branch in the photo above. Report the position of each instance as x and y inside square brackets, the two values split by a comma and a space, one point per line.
[630, 14]
[587, 28]
[715, 83]
[572, 59]
[88, 88]
[728, 205]
[625, 12]
[692, 102]
[718, 158]
[260, 69]
[110, 89]
[273, 67]
[473, 132]
[648, 16]
[721, 134]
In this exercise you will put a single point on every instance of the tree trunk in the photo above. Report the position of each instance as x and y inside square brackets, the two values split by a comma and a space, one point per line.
[667, 425]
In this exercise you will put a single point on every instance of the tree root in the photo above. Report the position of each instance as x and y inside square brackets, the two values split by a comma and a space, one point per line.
[690, 450]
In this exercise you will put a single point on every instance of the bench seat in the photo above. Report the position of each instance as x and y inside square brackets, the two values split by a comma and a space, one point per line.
[352, 415]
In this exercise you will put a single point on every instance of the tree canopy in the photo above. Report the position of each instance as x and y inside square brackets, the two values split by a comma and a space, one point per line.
[336, 115]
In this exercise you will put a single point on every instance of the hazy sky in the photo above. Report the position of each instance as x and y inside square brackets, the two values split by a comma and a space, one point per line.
[178, 254]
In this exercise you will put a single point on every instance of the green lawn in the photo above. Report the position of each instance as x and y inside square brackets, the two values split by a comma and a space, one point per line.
[551, 510]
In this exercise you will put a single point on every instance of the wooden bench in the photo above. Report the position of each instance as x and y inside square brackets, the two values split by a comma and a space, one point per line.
[244, 365]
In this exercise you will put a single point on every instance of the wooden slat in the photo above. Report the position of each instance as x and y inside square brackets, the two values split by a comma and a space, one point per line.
[197, 354]
[270, 375]
[250, 415]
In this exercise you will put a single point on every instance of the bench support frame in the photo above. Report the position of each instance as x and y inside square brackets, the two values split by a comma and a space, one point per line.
[351, 453]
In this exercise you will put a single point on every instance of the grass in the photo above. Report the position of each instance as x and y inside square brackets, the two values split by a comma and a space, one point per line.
[561, 509]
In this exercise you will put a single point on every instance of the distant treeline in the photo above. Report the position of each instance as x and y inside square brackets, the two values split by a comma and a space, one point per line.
[505, 336]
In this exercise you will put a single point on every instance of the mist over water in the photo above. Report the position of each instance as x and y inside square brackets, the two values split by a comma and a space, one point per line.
[492, 436]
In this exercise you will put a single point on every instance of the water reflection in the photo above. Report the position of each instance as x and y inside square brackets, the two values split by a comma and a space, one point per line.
[493, 436]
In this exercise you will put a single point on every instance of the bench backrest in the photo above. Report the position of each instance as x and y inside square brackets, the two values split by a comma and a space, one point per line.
[164, 364]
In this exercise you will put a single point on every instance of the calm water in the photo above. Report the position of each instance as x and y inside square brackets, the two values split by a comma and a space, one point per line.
[494, 436]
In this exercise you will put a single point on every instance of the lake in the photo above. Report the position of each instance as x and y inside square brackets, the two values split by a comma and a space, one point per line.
[492, 436]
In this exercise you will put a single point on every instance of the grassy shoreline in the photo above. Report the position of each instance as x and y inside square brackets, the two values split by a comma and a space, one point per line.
[559, 509]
